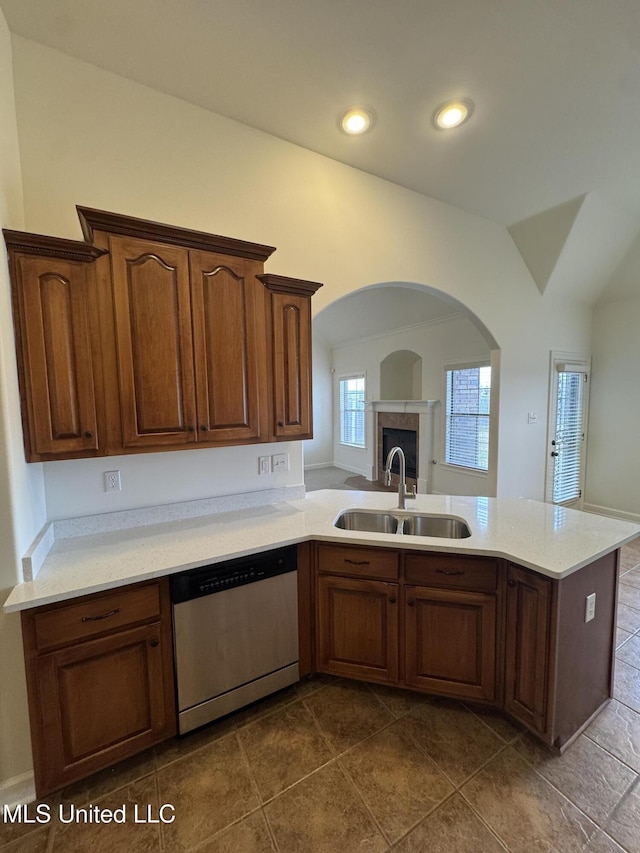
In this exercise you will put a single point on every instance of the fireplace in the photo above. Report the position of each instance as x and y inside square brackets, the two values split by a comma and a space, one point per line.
[408, 424]
[407, 440]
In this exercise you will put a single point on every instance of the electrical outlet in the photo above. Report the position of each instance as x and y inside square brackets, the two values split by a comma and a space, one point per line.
[590, 607]
[264, 464]
[112, 481]
[280, 461]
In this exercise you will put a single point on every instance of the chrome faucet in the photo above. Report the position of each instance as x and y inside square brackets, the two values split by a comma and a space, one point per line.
[403, 494]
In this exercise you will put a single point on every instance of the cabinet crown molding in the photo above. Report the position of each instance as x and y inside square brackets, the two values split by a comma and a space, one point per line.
[51, 247]
[115, 223]
[284, 284]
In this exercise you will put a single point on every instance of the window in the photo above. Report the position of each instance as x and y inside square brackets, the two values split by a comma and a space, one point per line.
[352, 411]
[467, 417]
[567, 427]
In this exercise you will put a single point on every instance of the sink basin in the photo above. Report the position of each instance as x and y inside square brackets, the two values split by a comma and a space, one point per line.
[371, 522]
[435, 525]
[443, 526]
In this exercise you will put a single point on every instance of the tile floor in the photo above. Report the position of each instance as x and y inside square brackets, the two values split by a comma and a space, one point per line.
[330, 765]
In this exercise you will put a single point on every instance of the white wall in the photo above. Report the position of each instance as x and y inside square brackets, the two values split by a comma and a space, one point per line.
[439, 343]
[21, 493]
[318, 451]
[90, 137]
[613, 455]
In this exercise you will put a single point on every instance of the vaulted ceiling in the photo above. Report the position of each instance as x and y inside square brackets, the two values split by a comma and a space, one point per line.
[551, 150]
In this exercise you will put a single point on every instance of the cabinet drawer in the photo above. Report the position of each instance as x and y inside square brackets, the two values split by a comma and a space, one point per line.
[359, 562]
[451, 571]
[95, 614]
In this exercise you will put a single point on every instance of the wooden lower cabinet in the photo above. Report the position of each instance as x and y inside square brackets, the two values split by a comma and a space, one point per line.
[471, 628]
[98, 694]
[450, 642]
[528, 647]
[358, 635]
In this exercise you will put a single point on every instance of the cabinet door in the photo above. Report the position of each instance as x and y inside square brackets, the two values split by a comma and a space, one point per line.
[99, 702]
[57, 359]
[451, 642]
[153, 343]
[357, 634]
[228, 336]
[291, 331]
[527, 647]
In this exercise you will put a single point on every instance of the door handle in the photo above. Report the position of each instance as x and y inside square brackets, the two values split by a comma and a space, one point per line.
[554, 453]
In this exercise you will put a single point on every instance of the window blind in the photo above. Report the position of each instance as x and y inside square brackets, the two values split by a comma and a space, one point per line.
[467, 417]
[352, 411]
[569, 436]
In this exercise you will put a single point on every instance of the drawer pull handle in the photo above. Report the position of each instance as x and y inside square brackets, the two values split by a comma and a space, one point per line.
[449, 574]
[392, 600]
[511, 583]
[154, 643]
[356, 562]
[102, 616]
[410, 602]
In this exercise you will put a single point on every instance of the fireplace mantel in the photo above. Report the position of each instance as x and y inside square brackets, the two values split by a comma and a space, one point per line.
[424, 409]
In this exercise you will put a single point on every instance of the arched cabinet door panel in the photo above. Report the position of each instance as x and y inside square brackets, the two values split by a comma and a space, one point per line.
[51, 300]
[289, 317]
[153, 343]
[229, 349]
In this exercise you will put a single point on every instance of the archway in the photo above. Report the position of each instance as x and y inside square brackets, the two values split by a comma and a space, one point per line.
[359, 333]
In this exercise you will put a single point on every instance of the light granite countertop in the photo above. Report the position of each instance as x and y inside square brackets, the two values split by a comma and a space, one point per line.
[551, 540]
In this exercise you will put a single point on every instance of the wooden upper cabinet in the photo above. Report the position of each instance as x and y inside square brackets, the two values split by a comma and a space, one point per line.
[153, 343]
[289, 315]
[229, 348]
[53, 300]
[174, 339]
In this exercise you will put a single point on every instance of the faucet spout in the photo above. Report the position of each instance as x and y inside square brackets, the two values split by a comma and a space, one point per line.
[403, 494]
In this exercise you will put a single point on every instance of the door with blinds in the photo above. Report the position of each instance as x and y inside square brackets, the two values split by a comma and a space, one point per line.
[567, 431]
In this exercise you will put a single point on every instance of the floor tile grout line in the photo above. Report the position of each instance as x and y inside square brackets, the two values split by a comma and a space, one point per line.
[360, 796]
[573, 803]
[437, 806]
[612, 754]
[484, 822]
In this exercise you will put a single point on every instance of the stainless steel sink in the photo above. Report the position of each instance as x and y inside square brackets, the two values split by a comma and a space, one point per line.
[371, 522]
[368, 521]
[435, 525]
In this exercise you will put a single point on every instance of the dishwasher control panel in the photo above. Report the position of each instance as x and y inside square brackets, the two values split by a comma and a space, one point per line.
[207, 580]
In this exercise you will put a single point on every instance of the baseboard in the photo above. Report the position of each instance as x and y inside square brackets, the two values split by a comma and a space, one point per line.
[612, 513]
[18, 791]
[320, 465]
[362, 472]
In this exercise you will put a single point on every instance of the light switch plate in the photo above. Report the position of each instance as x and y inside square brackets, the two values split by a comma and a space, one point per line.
[280, 462]
[590, 607]
[264, 464]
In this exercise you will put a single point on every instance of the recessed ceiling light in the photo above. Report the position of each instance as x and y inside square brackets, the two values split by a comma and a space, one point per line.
[356, 120]
[452, 114]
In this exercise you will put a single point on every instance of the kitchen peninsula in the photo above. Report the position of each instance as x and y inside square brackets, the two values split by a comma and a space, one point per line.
[500, 617]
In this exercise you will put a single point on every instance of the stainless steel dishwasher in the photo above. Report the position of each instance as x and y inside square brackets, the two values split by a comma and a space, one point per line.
[235, 633]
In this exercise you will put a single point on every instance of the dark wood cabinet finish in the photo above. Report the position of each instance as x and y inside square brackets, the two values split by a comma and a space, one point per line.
[229, 348]
[450, 642]
[153, 343]
[528, 647]
[100, 681]
[174, 339]
[474, 628]
[289, 317]
[54, 318]
[358, 635]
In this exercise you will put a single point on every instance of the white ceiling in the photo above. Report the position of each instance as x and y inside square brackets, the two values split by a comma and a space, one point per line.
[556, 83]
[377, 311]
